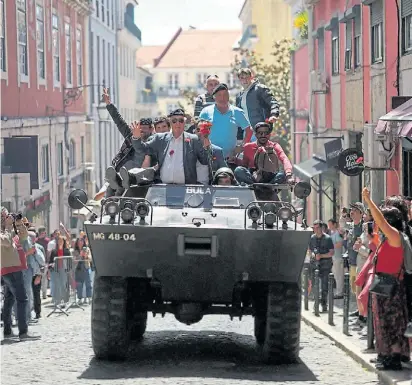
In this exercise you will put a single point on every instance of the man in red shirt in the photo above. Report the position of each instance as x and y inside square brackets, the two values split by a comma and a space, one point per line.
[250, 173]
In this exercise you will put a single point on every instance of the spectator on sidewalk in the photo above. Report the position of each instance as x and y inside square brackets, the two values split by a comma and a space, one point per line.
[37, 262]
[43, 240]
[337, 268]
[389, 313]
[58, 271]
[321, 246]
[14, 244]
[82, 258]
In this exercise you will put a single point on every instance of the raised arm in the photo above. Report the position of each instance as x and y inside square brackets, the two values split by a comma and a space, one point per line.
[118, 120]
[392, 234]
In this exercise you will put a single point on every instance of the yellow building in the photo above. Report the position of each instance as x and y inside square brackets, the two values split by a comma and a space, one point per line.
[264, 22]
[185, 62]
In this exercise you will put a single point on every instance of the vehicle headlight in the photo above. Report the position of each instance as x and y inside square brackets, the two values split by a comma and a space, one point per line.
[270, 219]
[127, 215]
[285, 214]
[254, 213]
[112, 208]
[142, 209]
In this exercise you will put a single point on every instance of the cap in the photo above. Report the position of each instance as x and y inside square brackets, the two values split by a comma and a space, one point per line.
[262, 124]
[357, 206]
[220, 87]
[178, 112]
[146, 121]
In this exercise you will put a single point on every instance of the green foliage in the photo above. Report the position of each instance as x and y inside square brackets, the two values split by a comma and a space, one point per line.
[276, 76]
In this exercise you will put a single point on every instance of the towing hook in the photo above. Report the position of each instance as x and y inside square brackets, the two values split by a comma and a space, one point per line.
[184, 214]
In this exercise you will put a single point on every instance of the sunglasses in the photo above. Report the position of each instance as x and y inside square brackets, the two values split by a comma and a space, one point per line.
[262, 133]
[178, 120]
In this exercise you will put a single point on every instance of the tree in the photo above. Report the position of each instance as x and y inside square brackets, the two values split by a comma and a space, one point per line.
[276, 76]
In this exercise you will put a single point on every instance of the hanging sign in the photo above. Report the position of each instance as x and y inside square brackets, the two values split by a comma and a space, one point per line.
[333, 149]
[350, 162]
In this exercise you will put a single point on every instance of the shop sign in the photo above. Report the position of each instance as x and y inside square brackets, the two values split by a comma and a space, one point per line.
[333, 149]
[350, 162]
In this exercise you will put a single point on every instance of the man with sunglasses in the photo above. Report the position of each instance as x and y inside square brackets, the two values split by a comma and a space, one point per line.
[249, 172]
[177, 151]
[204, 100]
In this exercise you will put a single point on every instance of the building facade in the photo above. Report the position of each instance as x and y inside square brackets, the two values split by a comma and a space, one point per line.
[353, 82]
[43, 62]
[263, 23]
[103, 137]
[182, 65]
[129, 41]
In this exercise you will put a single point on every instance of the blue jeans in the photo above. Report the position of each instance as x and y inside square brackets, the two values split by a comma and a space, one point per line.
[28, 279]
[243, 175]
[15, 291]
[83, 281]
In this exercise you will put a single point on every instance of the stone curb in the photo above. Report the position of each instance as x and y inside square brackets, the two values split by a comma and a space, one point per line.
[342, 342]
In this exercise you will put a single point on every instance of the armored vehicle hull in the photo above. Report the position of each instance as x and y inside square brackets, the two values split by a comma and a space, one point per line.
[193, 251]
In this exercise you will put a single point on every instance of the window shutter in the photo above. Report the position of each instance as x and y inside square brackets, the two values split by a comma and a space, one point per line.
[406, 8]
[358, 25]
[349, 34]
[376, 12]
[335, 31]
[321, 52]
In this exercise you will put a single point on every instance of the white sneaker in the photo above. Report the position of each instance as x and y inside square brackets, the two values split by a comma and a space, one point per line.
[408, 331]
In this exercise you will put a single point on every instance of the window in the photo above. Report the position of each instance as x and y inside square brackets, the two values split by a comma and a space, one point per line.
[406, 14]
[377, 43]
[108, 13]
[357, 42]
[56, 47]
[407, 34]
[97, 8]
[321, 50]
[22, 37]
[173, 81]
[2, 37]
[376, 12]
[348, 50]
[171, 107]
[230, 79]
[104, 59]
[60, 166]
[335, 51]
[68, 42]
[79, 56]
[72, 154]
[41, 70]
[112, 13]
[103, 10]
[45, 163]
[201, 79]
[82, 148]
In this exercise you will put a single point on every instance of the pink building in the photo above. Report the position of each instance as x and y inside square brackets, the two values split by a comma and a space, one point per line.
[354, 79]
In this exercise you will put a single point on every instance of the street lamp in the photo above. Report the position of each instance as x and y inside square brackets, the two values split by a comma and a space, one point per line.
[102, 111]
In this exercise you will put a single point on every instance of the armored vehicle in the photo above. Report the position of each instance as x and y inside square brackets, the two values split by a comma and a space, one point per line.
[194, 250]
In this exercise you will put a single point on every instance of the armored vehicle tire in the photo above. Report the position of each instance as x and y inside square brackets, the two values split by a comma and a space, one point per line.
[278, 332]
[110, 329]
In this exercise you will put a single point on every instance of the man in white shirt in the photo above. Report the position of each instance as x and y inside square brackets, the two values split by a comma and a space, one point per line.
[177, 151]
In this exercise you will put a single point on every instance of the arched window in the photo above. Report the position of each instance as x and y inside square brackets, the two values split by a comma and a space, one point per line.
[130, 10]
[72, 154]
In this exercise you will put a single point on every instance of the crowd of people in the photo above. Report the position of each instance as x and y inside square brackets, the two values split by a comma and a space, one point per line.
[372, 244]
[31, 265]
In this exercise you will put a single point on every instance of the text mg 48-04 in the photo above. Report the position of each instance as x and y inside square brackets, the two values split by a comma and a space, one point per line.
[113, 237]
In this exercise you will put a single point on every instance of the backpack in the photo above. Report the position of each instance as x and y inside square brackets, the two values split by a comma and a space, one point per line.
[407, 252]
[9, 252]
[266, 163]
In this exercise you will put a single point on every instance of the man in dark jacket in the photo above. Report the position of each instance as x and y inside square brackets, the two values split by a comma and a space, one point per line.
[256, 100]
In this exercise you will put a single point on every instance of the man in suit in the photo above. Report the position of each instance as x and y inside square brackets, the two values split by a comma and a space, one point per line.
[217, 160]
[177, 151]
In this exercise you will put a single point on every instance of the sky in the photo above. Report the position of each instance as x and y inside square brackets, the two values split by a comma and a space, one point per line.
[160, 19]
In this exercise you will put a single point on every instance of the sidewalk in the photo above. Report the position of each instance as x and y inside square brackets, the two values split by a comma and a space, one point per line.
[355, 344]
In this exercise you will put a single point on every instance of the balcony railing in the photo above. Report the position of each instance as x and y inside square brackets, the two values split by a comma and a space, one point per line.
[83, 7]
[132, 27]
[146, 97]
[249, 34]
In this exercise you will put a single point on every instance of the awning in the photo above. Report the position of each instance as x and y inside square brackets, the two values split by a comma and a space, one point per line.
[398, 120]
[310, 168]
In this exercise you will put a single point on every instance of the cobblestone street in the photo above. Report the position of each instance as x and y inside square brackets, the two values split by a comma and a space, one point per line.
[215, 351]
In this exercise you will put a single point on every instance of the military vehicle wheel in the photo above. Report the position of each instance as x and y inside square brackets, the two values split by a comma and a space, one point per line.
[278, 334]
[138, 309]
[110, 329]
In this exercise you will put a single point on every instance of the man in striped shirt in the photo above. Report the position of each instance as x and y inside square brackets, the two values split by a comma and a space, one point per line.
[207, 99]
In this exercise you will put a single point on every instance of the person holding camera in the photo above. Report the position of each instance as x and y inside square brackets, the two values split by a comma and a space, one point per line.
[82, 273]
[14, 245]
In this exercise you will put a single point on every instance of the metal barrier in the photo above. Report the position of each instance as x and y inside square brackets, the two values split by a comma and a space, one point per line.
[331, 298]
[346, 299]
[316, 292]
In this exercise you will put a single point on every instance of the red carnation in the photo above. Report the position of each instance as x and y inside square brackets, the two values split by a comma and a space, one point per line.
[359, 160]
[171, 152]
[267, 120]
[187, 140]
[261, 149]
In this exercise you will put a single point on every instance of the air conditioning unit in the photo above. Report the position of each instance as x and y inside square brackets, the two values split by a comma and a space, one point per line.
[370, 144]
[319, 82]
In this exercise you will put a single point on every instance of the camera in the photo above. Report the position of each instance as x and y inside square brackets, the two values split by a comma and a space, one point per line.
[370, 228]
[17, 217]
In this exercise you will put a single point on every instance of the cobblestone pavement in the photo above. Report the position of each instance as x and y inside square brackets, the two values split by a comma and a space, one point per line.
[215, 351]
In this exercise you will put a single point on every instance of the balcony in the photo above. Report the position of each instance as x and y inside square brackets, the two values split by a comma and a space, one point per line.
[83, 7]
[145, 97]
[166, 91]
[250, 34]
[132, 27]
